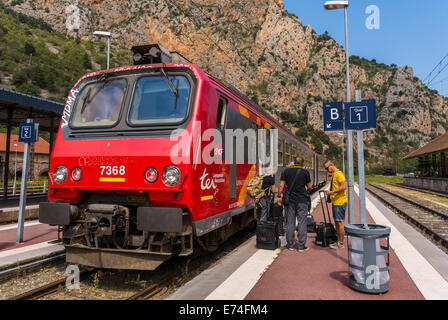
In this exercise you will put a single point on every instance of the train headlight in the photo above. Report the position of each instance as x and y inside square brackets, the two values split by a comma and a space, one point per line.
[76, 174]
[171, 175]
[60, 174]
[151, 175]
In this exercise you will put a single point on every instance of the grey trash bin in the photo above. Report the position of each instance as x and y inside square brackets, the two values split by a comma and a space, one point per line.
[368, 258]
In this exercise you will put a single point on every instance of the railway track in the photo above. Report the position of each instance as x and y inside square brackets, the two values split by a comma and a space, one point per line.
[30, 266]
[47, 289]
[430, 221]
[400, 185]
[153, 289]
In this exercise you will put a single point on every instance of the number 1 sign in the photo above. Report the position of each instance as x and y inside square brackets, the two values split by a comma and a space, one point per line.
[360, 115]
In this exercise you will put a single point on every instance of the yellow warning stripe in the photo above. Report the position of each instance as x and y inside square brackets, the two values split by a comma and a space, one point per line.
[244, 111]
[204, 198]
[104, 179]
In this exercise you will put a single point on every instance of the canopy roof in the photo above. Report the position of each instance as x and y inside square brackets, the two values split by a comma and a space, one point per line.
[437, 145]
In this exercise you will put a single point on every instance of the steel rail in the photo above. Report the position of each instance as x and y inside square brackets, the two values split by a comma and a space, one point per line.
[9, 273]
[400, 185]
[433, 211]
[49, 288]
[424, 227]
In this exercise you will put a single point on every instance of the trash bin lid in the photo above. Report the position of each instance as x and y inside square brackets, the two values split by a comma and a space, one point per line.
[374, 230]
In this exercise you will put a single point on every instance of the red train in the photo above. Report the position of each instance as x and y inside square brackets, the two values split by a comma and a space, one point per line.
[117, 195]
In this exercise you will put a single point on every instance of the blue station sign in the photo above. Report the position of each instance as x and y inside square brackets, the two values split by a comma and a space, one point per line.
[333, 116]
[26, 132]
[360, 115]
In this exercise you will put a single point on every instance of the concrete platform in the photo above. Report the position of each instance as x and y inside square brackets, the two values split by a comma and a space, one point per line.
[418, 269]
[10, 214]
[36, 244]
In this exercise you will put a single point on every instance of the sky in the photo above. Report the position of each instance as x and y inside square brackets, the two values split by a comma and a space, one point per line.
[411, 32]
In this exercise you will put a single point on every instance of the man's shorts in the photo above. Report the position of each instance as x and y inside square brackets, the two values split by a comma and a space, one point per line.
[339, 212]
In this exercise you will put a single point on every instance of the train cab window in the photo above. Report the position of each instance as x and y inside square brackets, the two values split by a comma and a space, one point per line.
[99, 104]
[221, 114]
[154, 101]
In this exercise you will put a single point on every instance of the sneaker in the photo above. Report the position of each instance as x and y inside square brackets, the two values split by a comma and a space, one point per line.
[336, 245]
[304, 249]
[291, 248]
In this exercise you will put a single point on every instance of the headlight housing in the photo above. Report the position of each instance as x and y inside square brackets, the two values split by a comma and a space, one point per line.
[151, 175]
[171, 175]
[76, 174]
[60, 174]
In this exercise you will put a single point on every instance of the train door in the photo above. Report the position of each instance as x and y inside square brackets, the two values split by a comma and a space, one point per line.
[230, 124]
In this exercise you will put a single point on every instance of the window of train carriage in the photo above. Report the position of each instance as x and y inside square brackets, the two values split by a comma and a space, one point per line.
[268, 142]
[221, 114]
[99, 104]
[288, 154]
[154, 102]
[280, 152]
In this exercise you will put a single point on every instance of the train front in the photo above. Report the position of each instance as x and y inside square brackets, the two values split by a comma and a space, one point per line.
[115, 192]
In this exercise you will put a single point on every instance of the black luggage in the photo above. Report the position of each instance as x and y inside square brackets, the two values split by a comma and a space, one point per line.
[267, 235]
[310, 224]
[277, 216]
[325, 231]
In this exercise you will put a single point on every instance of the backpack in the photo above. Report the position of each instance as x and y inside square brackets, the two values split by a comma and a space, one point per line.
[254, 189]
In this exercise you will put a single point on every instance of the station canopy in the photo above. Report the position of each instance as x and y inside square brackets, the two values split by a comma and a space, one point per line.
[16, 107]
[437, 145]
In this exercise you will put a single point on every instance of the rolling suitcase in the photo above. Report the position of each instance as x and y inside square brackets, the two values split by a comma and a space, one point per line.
[267, 235]
[277, 216]
[325, 231]
[310, 224]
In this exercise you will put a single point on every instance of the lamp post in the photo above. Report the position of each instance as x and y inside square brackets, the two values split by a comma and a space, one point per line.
[108, 35]
[15, 172]
[334, 5]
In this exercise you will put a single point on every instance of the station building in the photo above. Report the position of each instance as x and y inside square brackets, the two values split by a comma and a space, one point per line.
[432, 166]
[39, 155]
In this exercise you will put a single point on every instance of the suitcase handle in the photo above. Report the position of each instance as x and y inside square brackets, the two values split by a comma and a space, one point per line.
[326, 204]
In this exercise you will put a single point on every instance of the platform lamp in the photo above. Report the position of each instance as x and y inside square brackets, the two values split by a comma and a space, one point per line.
[334, 5]
[108, 35]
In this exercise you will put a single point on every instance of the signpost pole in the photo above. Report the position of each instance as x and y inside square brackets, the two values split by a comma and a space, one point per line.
[361, 175]
[23, 188]
[351, 178]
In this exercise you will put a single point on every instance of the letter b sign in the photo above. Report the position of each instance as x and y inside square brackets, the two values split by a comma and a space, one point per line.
[334, 114]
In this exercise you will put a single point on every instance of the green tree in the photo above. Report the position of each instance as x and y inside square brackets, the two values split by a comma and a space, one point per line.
[29, 49]
[86, 61]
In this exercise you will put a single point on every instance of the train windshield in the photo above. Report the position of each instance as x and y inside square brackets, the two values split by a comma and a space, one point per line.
[99, 104]
[155, 102]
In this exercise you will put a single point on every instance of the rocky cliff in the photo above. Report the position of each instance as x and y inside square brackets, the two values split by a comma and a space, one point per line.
[268, 54]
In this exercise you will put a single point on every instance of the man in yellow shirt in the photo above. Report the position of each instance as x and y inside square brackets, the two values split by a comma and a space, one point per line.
[339, 201]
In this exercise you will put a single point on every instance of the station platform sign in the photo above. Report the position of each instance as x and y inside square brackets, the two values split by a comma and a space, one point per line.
[333, 116]
[360, 115]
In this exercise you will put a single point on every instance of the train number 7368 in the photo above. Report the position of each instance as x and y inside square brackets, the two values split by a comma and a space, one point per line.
[113, 170]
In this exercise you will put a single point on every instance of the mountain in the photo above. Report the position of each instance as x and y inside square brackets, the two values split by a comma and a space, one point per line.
[267, 53]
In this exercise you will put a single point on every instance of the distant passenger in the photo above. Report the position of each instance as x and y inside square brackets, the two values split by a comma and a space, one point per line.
[266, 200]
[339, 201]
[298, 182]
